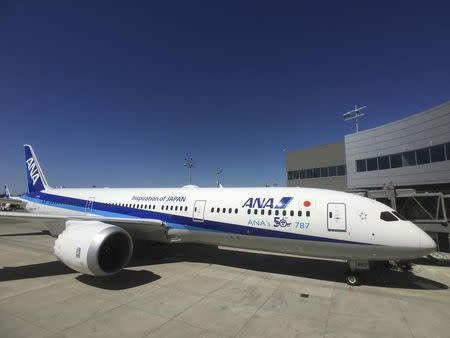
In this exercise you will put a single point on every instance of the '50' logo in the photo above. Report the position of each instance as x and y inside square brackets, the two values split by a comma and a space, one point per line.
[280, 222]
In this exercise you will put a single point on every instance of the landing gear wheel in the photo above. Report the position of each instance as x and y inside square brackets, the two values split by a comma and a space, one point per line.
[352, 279]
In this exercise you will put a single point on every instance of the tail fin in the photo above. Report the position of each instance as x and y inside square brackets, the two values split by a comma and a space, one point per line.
[7, 194]
[36, 178]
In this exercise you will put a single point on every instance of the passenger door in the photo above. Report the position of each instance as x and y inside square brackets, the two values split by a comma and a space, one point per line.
[199, 211]
[337, 217]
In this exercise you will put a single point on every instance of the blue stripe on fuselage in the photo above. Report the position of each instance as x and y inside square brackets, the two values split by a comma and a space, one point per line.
[108, 210]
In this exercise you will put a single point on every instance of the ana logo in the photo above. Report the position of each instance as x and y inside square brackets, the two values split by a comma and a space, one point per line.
[33, 170]
[267, 202]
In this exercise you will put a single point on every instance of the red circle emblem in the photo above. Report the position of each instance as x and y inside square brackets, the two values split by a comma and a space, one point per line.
[307, 203]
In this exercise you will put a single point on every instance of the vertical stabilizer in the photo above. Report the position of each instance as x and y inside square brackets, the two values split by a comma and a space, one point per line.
[35, 175]
[7, 194]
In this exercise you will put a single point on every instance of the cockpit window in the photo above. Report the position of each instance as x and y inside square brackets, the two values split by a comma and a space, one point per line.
[388, 216]
[399, 216]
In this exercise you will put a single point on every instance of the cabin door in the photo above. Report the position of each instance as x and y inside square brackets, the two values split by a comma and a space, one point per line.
[337, 217]
[199, 211]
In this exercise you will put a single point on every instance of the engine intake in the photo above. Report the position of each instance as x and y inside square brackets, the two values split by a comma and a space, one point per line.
[94, 248]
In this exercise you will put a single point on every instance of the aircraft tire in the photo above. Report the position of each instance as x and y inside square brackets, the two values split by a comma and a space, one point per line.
[352, 279]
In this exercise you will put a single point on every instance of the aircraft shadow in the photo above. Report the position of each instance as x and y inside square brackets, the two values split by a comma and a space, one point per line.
[432, 261]
[334, 271]
[125, 279]
[148, 255]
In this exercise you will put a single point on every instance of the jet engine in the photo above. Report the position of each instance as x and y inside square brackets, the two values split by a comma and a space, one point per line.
[93, 247]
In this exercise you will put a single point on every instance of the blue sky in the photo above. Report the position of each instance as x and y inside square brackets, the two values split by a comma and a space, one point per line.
[119, 93]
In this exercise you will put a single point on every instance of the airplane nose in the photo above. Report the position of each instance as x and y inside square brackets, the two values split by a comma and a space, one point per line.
[427, 244]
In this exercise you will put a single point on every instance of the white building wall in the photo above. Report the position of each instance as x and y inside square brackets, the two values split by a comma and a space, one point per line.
[431, 127]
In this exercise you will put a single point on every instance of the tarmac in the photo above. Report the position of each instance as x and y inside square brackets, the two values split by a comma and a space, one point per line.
[182, 290]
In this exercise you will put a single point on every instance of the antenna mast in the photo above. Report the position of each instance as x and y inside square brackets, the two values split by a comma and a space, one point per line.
[354, 115]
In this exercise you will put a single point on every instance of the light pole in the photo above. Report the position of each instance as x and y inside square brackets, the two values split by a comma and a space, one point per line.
[189, 163]
[219, 172]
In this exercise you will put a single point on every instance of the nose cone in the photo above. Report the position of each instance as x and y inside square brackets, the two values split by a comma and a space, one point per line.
[427, 245]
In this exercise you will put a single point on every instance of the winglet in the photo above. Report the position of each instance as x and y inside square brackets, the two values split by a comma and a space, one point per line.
[35, 175]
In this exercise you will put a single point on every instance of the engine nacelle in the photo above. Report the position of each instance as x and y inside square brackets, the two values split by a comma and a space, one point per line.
[93, 247]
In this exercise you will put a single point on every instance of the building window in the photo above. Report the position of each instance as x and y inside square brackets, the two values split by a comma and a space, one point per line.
[341, 170]
[331, 171]
[309, 173]
[409, 158]
[437, 153]
[360, 165]
[302, 174]
[383, 162]
[447, 147]
[372, 164]
[296, 175]
[396, 160]
[316, 172]
[423, 156]
[323, 172]
[290, 175]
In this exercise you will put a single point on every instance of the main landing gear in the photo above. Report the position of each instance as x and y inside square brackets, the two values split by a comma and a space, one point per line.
[352, 277]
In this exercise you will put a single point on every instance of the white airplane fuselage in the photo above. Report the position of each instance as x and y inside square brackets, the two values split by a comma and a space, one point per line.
[300, 221]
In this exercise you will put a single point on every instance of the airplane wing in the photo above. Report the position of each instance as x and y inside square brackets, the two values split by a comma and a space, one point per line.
[138, 228]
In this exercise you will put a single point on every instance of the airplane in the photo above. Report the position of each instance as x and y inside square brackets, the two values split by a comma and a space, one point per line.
[95, 227]
[9, 202]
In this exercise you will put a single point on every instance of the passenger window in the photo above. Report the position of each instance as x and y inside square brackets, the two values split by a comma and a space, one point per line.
[388, 217]
[212, 209]
[236, 211]
[292, 212]
[218, 210]
[229, 211]
[284, 212]
[330, 215]
[185, 208]
[277, 212]
[195, 209]
[255, 211]
[262, 211]
[299, 213]
[269, 212]
[249, 211]
[308, 213]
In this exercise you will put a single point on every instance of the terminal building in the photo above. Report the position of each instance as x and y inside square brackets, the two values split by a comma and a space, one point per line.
[405, 164]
